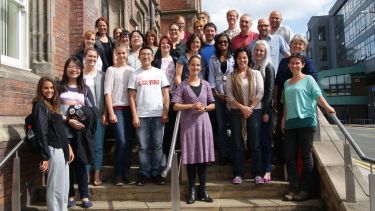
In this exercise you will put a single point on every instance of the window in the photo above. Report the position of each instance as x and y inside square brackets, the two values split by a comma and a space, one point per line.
[13, 30]
[322, 33]
[323, 53]
[340, 85]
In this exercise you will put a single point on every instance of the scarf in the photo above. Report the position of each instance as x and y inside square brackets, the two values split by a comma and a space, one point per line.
[239, 96]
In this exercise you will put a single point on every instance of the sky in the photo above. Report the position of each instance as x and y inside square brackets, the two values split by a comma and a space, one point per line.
[296, 13]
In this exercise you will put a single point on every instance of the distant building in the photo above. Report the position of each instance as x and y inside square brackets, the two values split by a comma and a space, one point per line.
[342, 46]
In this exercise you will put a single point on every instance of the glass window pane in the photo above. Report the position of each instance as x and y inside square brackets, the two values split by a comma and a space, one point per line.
[348, 79]
[332, 80]
[324, 83]
[340, 79]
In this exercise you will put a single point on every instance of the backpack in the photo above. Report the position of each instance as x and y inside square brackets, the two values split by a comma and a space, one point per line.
[30, 137]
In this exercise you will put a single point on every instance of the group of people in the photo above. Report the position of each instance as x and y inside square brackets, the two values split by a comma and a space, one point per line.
[136, 83]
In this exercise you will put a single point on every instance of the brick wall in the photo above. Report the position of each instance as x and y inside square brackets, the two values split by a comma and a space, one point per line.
[61, 30]
[15, 97]
[174, 4]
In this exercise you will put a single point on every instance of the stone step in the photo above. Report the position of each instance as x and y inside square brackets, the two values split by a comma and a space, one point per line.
[214, 172]
[248, 204]
[153, 192]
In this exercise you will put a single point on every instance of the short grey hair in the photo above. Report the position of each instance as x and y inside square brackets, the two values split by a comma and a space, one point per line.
[299, 37]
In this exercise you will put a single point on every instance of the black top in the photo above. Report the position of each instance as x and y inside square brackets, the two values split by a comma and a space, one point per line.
[49, 129]
[197, 89]
[223, 66]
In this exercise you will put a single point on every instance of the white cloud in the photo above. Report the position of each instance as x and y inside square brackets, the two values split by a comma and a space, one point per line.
[296, 13]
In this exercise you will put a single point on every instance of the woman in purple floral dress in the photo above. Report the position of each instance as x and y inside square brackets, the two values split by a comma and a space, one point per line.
[194, 98]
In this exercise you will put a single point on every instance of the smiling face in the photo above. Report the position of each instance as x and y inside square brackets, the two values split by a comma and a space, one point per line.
[146, 56]
[150, 39]
[198, 28]
[90, 58]
[222, 43]
[297, 46]
[102, 27]
[117, 33]
[194, 67]
[245, 24]
[232, 18]
[259, 52]
[136, 40]
[295, 65]
[121, 55]
[263, 27]
[90, 41]
[173, 32]
[48, 90]
[73, 71]
[209, 33]
[242, 60]
[164, 46]
[195, 45]
[275, 19]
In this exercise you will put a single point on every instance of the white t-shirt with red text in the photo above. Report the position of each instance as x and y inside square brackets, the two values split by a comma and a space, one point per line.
[148, 84]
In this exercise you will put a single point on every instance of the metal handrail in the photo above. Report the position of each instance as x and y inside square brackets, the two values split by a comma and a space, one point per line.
[11, 153]
[352, 142]
[173, 145]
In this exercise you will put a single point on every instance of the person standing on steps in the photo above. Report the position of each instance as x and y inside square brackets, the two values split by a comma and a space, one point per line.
[149, 104]
[300, 98]
[194, 98]
[55, 149]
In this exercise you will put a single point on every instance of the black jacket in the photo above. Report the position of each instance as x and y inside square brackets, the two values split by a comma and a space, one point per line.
[49, 130]
[269, 81]
[85, 138]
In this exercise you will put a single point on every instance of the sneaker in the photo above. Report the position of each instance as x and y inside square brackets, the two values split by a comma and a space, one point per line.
[237, 180]
[72, 203]
[141, 180]
[259, 180]
[290, 196]
[87, 204]
[128, 181]
[118, 181]
[302, 196]
[160, 180]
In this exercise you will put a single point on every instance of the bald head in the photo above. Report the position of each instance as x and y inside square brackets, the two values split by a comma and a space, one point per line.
[263, 27]
[275, 20]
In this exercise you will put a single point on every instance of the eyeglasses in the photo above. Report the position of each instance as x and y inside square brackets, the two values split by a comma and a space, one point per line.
[222, 42]
[145, 54]
[74, 67]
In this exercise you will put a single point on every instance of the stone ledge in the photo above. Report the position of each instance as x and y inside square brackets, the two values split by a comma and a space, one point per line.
[11, 128]
[14, 73]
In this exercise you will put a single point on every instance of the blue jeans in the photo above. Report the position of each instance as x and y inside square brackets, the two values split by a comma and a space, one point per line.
[303, 137]
[123, 130]
[150, 136]
[98, 151]
[222, 120]
[265, 145]
[253, 136]
[77, 172]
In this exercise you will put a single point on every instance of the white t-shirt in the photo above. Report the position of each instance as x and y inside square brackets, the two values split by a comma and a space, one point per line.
[116, 83]
[90, 82]
[148, 84]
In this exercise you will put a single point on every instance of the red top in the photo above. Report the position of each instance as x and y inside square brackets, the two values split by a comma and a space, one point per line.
[240, 41]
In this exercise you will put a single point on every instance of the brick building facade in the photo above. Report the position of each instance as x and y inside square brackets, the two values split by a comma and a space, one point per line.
[37, 37]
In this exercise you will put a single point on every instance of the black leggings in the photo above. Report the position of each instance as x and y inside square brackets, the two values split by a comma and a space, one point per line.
[192, 171]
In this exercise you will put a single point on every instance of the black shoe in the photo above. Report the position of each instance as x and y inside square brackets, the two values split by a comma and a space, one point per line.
[301, 196]
[203, 195]
[128, 181]
[160, 180]
[191, 197]
[141, 180]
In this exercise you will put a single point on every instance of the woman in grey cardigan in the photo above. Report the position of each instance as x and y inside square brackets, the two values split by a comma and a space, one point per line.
[95, 81]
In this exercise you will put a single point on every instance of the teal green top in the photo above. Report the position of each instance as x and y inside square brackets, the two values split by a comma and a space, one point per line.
[300, 102]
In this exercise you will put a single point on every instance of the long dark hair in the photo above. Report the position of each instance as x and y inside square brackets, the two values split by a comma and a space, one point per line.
[217, 50]
[64, 81]
[53, 104]
[190, 41]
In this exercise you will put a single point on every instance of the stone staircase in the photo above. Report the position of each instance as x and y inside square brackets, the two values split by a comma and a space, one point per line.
[246, 196]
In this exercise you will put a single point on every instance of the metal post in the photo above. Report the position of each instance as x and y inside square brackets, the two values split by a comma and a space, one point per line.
[175, 185]
[371, 181]
[349, 177]
[16, 202]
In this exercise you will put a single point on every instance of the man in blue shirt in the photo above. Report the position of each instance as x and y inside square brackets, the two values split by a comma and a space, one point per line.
[279, 48]
[208, 47]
